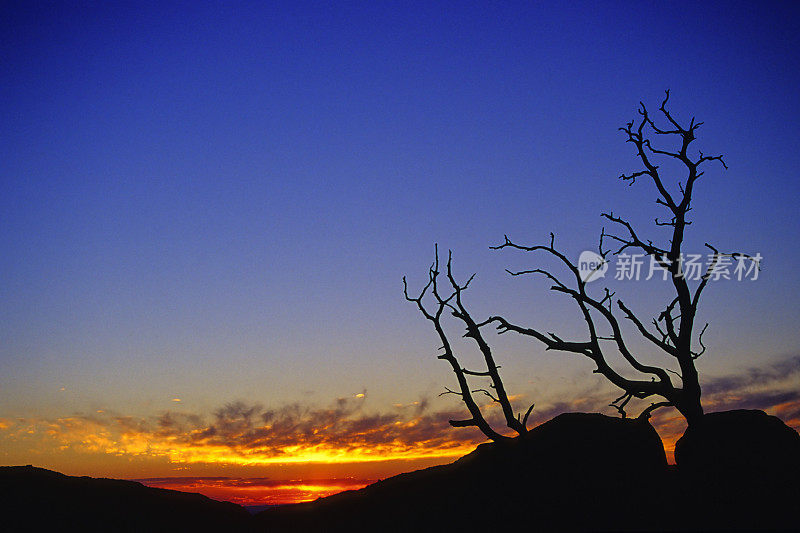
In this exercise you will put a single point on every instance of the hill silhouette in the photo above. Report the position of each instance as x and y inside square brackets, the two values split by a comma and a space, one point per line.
[576, 472]
[34, 499]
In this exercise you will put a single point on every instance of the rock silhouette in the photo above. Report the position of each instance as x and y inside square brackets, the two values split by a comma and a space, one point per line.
[573, 472]
[745, 441]
[576, 472]
[741, 467]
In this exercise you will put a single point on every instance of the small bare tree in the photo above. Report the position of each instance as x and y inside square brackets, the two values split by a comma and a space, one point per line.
[673, 331]
[448, 300]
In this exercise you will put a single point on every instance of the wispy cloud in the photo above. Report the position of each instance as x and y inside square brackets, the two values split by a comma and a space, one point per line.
[755, 376]
[243, 433]
[772, 387]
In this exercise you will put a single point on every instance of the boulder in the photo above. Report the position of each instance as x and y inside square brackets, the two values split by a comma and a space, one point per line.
[741, 442]
[576, 472]
[593, 442]
[739, 470]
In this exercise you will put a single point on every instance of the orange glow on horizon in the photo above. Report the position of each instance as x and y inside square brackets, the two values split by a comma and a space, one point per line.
[301, 454]
[243, 491]
[131, 439]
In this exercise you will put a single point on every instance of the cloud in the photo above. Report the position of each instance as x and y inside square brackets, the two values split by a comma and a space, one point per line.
[243, 433]
[346, 431]
[754, 376]
[771, 387]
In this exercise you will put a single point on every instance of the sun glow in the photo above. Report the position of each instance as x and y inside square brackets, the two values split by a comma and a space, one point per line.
[295, 454]
[259, 491]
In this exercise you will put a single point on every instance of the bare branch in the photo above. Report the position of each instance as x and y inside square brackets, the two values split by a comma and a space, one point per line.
[633, 240]
[434, 315]
[645, 414]
[661, 343]
[620, 403]
[695, 355]
[487, 393]
[463, 423]
[527, 414]
[473, 373]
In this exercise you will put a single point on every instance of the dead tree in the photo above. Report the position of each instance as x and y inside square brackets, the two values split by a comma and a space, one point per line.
[673, 331]
[448, 301]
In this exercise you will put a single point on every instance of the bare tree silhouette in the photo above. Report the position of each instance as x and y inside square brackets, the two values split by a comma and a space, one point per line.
[673, 332]
[450, 301]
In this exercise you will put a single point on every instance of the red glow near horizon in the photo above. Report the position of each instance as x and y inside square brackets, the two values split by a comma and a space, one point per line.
[258, 491]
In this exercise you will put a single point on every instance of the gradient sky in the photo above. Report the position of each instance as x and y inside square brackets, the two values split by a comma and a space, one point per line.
[216, 202]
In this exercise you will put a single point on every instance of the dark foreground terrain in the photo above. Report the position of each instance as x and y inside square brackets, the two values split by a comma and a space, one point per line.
[586, 472]
[35, 499]
[577, 472]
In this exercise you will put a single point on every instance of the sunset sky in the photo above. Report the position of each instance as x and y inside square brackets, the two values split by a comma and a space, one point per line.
[207, 209]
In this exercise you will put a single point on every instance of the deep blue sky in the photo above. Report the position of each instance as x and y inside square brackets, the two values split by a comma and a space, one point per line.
[218, 201]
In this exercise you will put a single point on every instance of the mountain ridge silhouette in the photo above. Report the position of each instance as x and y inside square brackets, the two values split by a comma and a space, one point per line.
[37, 499]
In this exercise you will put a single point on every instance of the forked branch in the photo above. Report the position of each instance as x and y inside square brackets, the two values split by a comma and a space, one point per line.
[433, 304]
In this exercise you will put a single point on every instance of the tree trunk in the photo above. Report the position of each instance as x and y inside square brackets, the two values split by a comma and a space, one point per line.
[689, 403]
